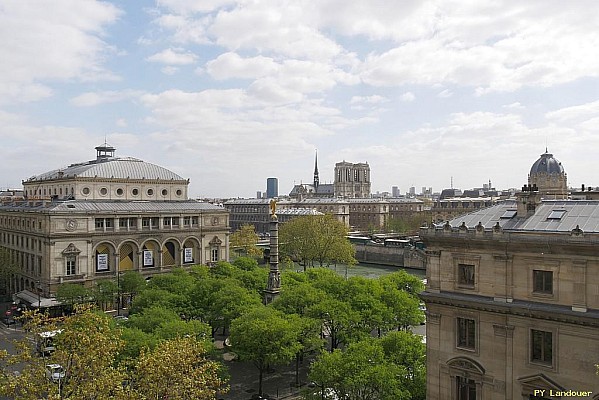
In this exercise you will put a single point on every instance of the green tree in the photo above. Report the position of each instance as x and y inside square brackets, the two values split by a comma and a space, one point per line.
[361, 372]
[71, 294]
[298, 298]
[85, 348]
[103, 361]
[178, 369]
[243, 241]
[150, 318]
[364, 296]
[151, 297]
[318, 239]
[339, 320]
[403, 281]
[265, 337]
[130, 284]
[230, 302]
[135, 340]
[104, 293]
[407, 224]
[406, 349]
[7, 271]
[309, 338]
[246, 263]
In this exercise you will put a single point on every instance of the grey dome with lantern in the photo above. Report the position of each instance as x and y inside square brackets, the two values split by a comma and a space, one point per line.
[108, 178]
[547, 164]
[548, 174]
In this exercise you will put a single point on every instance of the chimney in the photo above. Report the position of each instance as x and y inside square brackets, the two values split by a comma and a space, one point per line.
[527, 201]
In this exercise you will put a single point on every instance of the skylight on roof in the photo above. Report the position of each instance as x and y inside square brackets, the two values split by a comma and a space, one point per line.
[509, 214]
[556, 214]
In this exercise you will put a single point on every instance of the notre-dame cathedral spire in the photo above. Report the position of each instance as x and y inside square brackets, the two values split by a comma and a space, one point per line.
[316, 180]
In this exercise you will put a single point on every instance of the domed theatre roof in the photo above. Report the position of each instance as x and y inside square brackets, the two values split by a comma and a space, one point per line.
[547, 164]
[105, 166]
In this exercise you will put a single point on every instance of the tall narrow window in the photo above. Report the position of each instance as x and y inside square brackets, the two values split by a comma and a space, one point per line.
[541, 346]
[214, 254]
[466, 333]
[542, 281]
[71, 265]
[466, 388]
[466, 275]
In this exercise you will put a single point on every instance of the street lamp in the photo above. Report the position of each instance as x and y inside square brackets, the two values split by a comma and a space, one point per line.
[39, 296]
[118, 292]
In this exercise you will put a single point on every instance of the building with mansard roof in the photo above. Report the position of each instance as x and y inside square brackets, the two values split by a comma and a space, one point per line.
[96, 219]
[512, 296]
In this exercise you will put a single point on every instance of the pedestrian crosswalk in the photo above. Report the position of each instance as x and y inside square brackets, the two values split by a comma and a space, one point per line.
[10, 331]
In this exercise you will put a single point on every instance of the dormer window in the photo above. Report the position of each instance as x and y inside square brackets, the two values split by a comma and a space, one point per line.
[509, 214]
[556, 214]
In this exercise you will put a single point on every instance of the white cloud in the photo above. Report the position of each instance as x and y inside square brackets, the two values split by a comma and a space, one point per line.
[184, 29]
[285, 30]
[230, 65]
[191, 7]
[407, 97]
[39, 46]
[514, 106]
[374, 99]
[91, 99]
[176, 56]
[270, 81]
[169, 70]
[570, 114]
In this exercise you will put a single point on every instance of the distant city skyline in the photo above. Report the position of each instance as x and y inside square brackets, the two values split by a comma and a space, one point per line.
[228, 93]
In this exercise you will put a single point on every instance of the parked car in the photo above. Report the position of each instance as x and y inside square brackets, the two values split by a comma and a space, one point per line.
[121, 318]
[54, 372]
[422, 307]
[45, 342]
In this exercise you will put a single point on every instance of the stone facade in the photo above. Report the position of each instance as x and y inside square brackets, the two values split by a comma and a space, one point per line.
[68, 229]
[446, 209]
[513, 301]
[361, 214]
[352, 180]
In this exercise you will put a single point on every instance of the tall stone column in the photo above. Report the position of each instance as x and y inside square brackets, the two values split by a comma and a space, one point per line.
[274, 276]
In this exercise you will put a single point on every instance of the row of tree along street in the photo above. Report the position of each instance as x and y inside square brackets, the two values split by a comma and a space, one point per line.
[353, 331]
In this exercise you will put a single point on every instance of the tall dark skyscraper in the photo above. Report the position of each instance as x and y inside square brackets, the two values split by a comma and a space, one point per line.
[272, 188]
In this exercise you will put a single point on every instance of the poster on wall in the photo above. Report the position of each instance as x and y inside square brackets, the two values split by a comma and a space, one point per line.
[188, 255]
[102, 262]
[148, 258]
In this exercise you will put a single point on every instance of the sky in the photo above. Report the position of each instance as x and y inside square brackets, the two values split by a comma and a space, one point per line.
[228, 93]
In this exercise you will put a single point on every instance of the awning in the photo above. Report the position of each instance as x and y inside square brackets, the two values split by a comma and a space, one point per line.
[32, 299]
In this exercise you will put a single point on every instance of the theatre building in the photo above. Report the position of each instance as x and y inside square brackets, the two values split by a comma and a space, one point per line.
[96, 219]
[513, 296]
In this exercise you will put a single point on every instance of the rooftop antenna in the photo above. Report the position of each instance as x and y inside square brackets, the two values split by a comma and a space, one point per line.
[451, 182]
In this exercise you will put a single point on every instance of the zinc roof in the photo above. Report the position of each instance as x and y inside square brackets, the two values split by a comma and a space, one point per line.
[113, 168]
[549, 216]
[82, 206]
